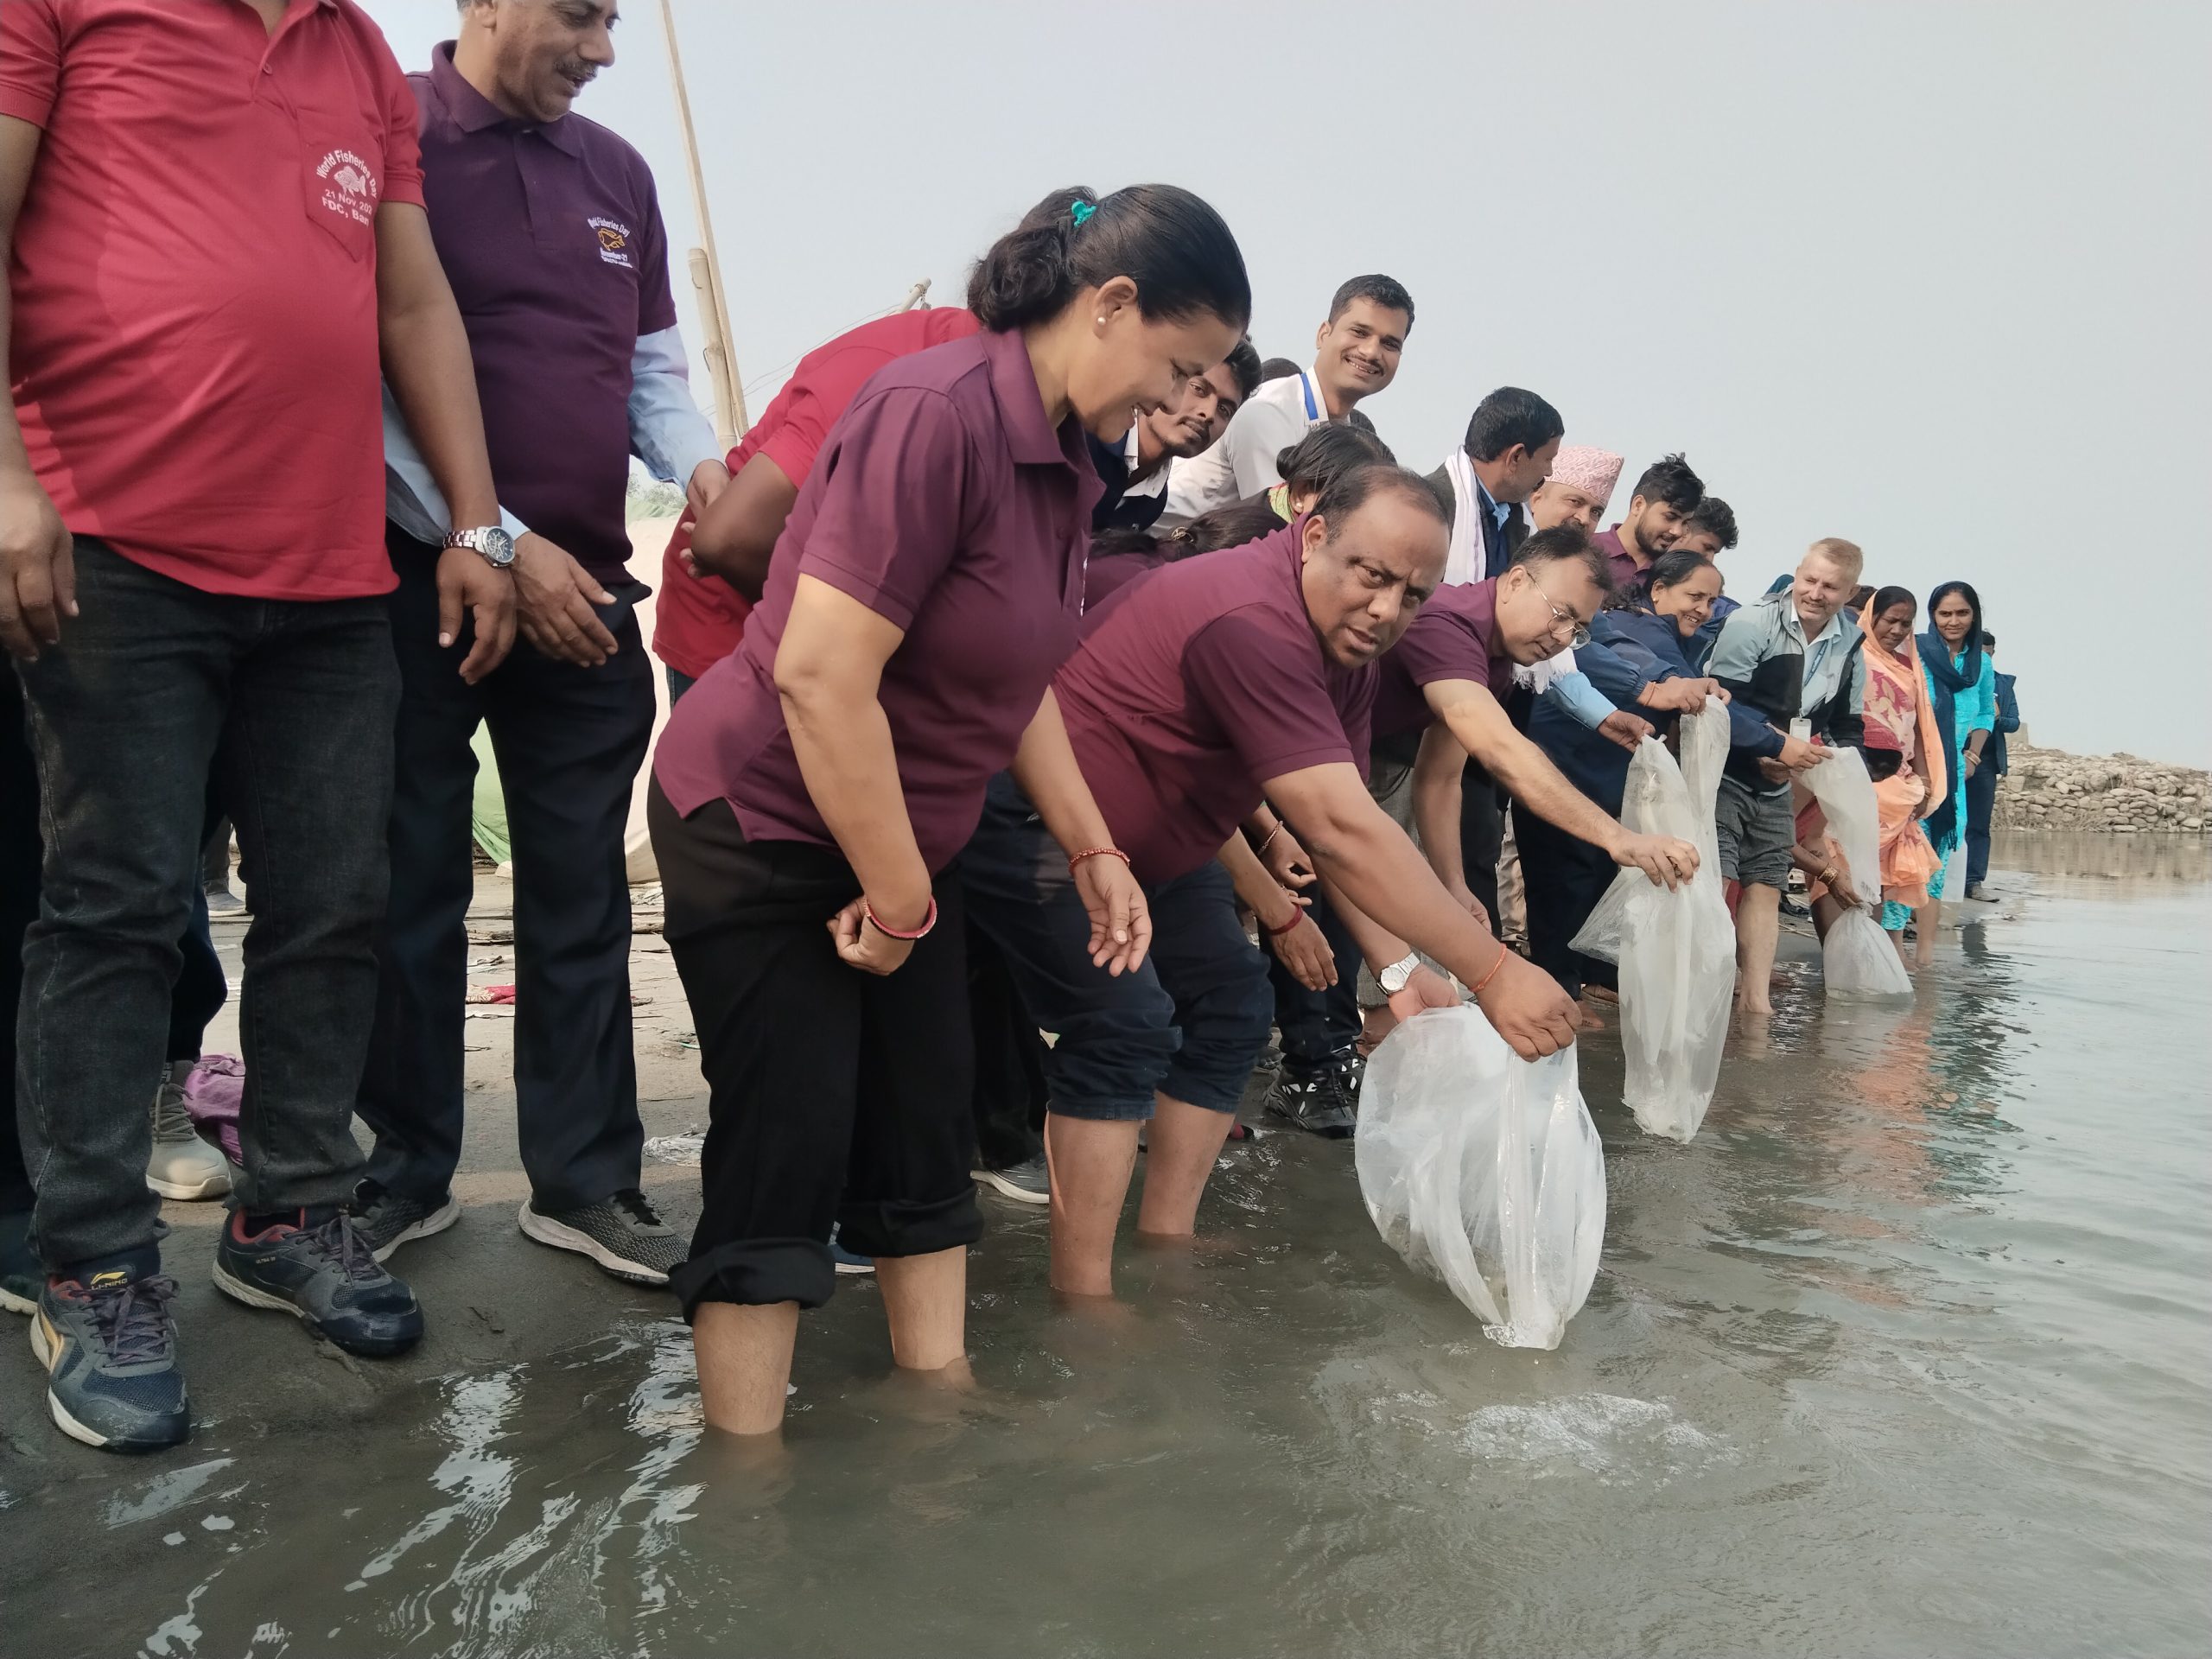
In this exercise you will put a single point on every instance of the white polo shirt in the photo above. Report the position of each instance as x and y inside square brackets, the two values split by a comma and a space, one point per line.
[1241, 462]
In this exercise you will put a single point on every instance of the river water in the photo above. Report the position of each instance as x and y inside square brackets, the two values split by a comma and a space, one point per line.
[1906, 1354]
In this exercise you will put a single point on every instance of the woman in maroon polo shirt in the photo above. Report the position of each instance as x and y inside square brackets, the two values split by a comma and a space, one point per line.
[813, 789]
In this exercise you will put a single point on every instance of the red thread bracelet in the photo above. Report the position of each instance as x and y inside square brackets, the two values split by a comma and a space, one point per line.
[909, 936]
[1296, 916]
[1075, 859]
[1503, 952]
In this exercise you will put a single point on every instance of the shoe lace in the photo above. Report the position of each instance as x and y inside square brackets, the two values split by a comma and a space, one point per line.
[639, 1208]
[338, 1242]
[133, 1318]
[172, 1119]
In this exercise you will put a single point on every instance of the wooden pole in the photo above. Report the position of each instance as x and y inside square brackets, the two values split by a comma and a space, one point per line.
[730, 418]
[917, 295]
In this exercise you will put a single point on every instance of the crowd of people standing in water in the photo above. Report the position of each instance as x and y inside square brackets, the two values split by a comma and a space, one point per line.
[1053, 663]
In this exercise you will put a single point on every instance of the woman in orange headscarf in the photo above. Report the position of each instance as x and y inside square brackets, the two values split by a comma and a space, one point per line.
[1904, 755]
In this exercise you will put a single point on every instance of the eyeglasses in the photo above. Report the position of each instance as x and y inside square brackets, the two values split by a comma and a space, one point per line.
[1580, 635]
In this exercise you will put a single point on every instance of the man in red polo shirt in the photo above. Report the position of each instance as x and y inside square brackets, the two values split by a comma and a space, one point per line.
[212, 212]
[701, 617]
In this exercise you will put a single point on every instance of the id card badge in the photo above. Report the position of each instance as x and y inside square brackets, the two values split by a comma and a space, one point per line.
[1801, 730]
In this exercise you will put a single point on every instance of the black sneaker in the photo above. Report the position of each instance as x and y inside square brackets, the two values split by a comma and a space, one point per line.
[322, 1272]
[621, 1233]
[1324, 1104]
[385, 1220]
[1026, 1182]
[22, 1275]
[109, 1346]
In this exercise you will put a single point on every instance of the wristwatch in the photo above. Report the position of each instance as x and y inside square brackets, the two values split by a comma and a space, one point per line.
[1393, 979]
[493, 543]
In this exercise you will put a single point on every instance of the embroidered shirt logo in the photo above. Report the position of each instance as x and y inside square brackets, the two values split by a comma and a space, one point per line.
[614, 241]
[349, 186]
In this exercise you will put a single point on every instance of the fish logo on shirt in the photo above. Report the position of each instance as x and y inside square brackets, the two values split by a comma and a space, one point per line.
[349, 186]
[614, 241]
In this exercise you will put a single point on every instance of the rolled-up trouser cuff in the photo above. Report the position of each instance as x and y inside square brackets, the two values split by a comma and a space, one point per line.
[901, 1227]
[1100, 1109]
[1210, 1090]
[757, 1272]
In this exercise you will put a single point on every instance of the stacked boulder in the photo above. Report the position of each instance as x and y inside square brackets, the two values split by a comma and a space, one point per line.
[2047, 789]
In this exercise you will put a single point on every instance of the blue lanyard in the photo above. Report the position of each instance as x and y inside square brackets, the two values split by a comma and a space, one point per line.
[1306, 386]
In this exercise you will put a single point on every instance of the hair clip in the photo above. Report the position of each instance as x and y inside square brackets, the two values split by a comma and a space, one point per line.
[1082, 210]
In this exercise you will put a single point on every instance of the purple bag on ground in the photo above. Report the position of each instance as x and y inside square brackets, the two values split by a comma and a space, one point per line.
[213, 1092]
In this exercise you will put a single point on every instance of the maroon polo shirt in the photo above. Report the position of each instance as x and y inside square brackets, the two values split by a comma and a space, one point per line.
[1194, 687]
[1626, 571]
[194, 283]
[1450, 639]
[551, 235]
[944, 504]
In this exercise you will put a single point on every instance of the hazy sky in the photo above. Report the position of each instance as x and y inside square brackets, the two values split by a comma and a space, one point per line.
[1917, 275]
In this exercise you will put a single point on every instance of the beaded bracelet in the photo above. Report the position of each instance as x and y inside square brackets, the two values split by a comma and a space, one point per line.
[1075, 859]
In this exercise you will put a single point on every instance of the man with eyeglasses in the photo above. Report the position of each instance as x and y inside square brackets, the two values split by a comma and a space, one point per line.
[1442, 691]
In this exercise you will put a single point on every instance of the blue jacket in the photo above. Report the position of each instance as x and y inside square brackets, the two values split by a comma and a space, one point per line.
[2008, 720]
[1627, 650]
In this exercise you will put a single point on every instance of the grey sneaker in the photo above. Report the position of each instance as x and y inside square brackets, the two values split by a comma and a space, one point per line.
[1324, 1104]
[319, 1269]
[1980, 894]
[109, 1347]
[385, 1220]
[182, 1165]
[1026, 1182]
[622, 1233]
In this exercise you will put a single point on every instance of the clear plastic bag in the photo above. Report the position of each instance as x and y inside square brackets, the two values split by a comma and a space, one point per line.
[1857, 959]
[1859, 963]
[1676, 948]
[1484, 1171]
[1846, 794]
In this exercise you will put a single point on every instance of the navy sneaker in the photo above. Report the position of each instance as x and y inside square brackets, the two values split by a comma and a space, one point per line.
[847, 1261]
[322, 1270]
[108, 1343]
[21, 1276]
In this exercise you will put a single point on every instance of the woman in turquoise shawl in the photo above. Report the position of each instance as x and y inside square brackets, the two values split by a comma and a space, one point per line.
[1962, 687]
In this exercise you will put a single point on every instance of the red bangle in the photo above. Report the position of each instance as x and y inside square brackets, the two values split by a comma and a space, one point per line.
[909, 936]
[1297, 915]
[1503, 952]
[1075, 859]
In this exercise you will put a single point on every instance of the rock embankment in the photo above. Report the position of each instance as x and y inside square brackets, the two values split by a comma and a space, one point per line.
[2049, 788]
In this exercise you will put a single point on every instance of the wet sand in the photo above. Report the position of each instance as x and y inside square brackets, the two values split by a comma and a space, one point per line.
[1904, 1354]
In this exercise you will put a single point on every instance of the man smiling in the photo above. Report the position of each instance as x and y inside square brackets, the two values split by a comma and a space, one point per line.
[1356, 355]
[1135, 470]
[550, 229]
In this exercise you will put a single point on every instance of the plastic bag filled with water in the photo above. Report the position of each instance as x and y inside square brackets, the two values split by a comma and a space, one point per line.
[1857, 959]
[1483, 1170]
[1859, 963]
[1677, 947]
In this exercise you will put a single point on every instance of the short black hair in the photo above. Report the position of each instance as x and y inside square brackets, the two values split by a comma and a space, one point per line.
[1988, 640]
[1670, 480]
[1386, 291]
[1231, 526]
[1354, 488]
[1245, 363]
[1277, 368]
[1174, 247]
[1511, 415]
[1716, 518]
[1327, 452]
[1565, 544]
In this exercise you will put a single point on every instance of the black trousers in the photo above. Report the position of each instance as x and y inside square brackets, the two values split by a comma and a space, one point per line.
[1481, 836]
[1320, 1029]
[1565, 877]
[569, 742]
[835, 1096]
[1010, 1089]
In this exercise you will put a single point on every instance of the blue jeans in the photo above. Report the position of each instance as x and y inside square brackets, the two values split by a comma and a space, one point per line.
[1189, 1023]
[1320, 1029]
[289, 705]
